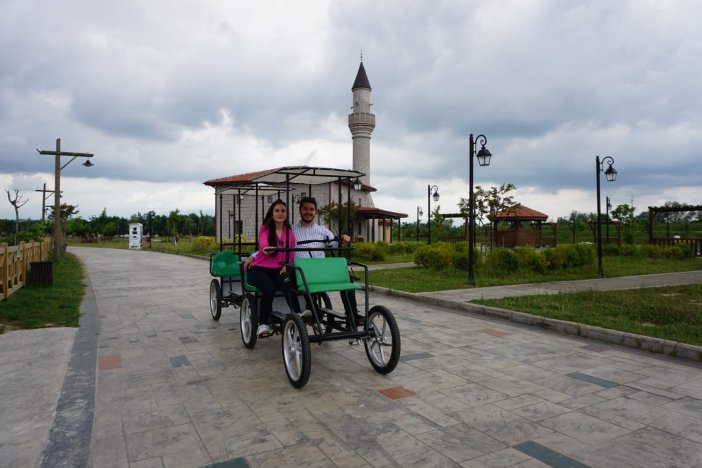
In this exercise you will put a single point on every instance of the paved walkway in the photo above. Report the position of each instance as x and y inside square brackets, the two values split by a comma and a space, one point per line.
[175, 388]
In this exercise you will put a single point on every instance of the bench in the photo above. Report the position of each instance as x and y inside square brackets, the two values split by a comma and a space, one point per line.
[316, 275]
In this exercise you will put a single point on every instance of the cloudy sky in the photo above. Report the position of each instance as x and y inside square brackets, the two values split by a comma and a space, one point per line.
[168, 94]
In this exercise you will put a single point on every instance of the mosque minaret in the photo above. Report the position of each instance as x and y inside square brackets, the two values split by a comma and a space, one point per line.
[361, 123]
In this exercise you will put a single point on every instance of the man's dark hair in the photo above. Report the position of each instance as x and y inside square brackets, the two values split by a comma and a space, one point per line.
[304, 200]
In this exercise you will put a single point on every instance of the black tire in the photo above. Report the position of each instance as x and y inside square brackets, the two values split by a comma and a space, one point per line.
[215, 299]
[248, 320]
[383, 344]
[297, 357]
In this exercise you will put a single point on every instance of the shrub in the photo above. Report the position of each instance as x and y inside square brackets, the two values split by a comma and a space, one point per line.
[529, 259]
[205, 244]
[627, 250]
[681, 251]
[370, 250]
[421, 256]
[568, 256]
[611, 249]
[403, 247]
[651, 251]
[502, 260]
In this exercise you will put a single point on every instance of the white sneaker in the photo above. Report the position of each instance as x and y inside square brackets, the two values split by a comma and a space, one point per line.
[263, 331]
[306, 316]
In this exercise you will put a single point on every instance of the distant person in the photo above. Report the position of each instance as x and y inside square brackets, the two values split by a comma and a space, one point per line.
[266, 271]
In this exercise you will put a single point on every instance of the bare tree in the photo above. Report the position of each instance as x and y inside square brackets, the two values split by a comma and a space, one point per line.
[18, 202]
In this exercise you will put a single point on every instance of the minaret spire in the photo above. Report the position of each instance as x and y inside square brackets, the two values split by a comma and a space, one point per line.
[361, 123]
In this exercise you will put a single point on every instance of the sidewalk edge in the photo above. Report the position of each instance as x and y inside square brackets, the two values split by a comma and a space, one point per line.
[631, 340]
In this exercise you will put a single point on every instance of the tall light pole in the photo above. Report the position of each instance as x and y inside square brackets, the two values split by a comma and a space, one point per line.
[436, 199]
[295, 201]
[611, 175]
[419, 213]
[483, 157]
[57, 188]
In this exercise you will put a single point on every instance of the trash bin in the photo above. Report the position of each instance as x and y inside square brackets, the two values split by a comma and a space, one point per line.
[41, 273]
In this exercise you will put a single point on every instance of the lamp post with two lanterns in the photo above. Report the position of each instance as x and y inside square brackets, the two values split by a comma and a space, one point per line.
[483, 157]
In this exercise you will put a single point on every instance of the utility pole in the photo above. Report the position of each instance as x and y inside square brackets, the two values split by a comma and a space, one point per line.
[57, 188]
[44, 196]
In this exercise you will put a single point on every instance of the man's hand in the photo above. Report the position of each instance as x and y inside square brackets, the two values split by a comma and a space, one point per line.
[248, 262]
[345, 238]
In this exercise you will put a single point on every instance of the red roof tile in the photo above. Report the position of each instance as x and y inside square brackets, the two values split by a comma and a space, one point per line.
[520, 213]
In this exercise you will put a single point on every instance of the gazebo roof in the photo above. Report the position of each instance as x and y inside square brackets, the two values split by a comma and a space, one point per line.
[519, 213]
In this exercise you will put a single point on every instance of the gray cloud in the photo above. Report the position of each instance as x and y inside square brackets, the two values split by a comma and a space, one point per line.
[166, 93]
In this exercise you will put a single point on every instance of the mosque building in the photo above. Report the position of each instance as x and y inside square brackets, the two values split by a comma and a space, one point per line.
[239, 208]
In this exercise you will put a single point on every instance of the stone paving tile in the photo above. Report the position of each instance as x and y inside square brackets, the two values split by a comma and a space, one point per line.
[476, 395]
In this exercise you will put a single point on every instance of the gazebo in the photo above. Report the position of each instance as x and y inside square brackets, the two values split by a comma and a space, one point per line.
[518, 234]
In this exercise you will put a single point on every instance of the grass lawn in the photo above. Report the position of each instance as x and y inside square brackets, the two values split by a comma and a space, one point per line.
[50, 306]
[672, 313]
[424, 279]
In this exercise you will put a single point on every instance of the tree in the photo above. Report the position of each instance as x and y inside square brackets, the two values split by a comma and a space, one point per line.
[489, 201]
[17, 202]
[625, 215]
[330, 213]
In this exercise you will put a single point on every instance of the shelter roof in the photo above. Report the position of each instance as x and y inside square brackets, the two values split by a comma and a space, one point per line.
[288, 174]
[519, 213]
[370, 212]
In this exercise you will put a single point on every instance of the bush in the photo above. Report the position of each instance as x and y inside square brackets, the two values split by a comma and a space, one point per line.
[529, 259]
[568, 256]
[651, 251]
[502, 260]
[403, 247]
[205, 244]
[611, 249]
[681, 251]
[627, 250]
[370, 250]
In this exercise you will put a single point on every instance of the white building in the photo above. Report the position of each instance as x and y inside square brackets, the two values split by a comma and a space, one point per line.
[369, 224]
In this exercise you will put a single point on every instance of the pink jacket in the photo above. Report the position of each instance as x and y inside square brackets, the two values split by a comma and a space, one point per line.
[273, 261]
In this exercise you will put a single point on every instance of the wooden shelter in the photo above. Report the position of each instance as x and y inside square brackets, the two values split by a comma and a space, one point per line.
[518, 233]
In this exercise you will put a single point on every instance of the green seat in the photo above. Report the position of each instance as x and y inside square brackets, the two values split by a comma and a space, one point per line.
[248, 286]
[225, 263]
[324, 275]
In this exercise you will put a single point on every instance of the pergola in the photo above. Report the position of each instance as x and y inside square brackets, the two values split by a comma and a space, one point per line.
[517, 234]
[694, 244]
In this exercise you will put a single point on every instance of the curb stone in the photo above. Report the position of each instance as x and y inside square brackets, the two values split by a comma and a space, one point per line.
[631, 340]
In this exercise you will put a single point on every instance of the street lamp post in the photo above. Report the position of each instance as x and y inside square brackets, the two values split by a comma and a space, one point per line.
[436, 199]
[57, 187]
[483, 157]
[419, 213]
[611, 175]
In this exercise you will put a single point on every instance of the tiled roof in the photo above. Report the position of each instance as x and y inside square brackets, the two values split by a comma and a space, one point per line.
[520, 213]
[239, 179]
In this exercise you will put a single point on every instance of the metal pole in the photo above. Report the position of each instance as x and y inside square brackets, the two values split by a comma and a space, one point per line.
[600, 271]
[471, 214]
[428, 214]
[607, 219]
[417, 224]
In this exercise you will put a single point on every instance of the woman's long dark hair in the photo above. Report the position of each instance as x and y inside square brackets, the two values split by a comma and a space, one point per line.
[270, 224]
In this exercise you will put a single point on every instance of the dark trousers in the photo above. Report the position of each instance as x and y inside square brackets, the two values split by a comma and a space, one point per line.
[268, 281]
[348, 298]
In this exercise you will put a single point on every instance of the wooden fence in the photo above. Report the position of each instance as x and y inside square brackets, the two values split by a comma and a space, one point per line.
[14, 264]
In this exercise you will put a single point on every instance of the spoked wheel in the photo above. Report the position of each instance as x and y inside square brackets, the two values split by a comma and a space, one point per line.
[297, 356]
[383, 344]
[215, 299]
[248, 321]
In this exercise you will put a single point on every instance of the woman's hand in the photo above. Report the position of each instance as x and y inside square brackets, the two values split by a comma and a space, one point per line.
[269, 250]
